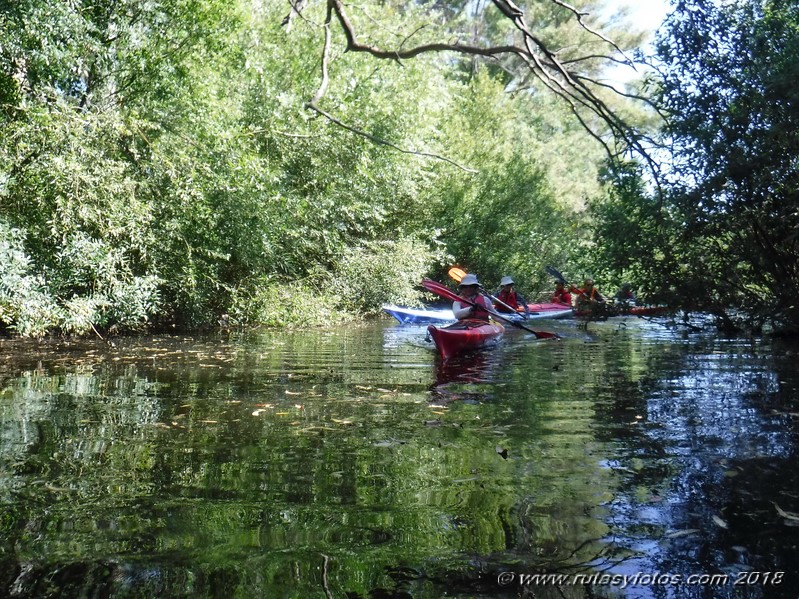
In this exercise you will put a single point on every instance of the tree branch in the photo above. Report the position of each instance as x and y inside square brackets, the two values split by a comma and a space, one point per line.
[542, 62]
[580, 16]
[643, 99]
[322, 89]
[320, 92]
[384, 142]
[296, 11]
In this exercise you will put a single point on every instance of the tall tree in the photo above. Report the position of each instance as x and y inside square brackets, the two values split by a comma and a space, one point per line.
[723, 236]
[729, 73]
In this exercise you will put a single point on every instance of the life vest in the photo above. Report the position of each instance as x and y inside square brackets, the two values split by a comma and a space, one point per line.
[562, 296]
[507, 296]
[589, 300]
[480, 312]
[586, 295]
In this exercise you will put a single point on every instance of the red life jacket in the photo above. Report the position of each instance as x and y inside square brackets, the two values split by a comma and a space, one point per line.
[507, 296]
[562, 296]
[479, 313]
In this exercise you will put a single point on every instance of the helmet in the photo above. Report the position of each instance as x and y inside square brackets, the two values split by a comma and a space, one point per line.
[469, 280]
[506, 281]
[588, 281]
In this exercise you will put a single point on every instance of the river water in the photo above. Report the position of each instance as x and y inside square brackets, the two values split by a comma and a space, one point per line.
[630, 458]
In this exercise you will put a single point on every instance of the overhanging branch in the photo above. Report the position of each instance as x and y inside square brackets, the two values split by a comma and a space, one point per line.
[384, 142]
[542, 62]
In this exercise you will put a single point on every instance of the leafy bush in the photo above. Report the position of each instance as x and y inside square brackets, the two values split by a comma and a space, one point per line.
[25, 305]
[93, 287]
[276, 304]
[365, 278]
[382, 272]
[97, 287]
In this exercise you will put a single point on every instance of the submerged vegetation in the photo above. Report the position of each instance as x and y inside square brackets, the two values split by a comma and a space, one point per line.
[186, 162]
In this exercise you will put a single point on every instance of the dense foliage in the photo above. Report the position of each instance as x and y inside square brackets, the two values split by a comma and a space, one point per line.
[162, 163]
[723, 235]
[158, 167]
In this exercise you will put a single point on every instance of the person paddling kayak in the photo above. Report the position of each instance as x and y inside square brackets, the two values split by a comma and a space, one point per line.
[510, 300]
[561, 295]
[469, 289]
[590, 300]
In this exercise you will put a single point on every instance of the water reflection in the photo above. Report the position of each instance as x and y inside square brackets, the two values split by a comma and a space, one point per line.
[355, 463]
[467, 377]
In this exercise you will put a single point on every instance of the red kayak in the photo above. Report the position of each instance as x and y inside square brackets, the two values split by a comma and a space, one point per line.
[548, 307]
[465, 335]
[543, 310]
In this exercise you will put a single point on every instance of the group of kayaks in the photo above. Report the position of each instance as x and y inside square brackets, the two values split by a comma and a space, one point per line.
[453, 337]
[445, 315]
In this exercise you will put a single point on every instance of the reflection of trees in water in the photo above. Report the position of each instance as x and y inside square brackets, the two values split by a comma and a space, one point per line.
[704, 455]
[556, 457]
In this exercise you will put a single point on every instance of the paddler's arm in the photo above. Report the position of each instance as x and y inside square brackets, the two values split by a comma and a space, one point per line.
[520, 299]
[461, 311]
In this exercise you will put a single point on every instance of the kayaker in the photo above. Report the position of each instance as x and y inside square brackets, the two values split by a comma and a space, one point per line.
[469, 289]
[561, 295]
[625, 295]
[512, 299]
[589, 299]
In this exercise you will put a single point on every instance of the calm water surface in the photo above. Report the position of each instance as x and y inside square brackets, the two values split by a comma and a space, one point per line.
[352, 463]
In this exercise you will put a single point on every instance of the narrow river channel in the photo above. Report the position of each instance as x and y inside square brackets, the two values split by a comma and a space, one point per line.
[629, 459]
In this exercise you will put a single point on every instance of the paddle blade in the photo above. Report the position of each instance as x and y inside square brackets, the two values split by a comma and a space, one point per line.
[439, 289]
[542, 334]
[554, 272]
[456, 273]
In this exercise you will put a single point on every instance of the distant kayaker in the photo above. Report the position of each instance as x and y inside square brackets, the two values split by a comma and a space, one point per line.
[469, 289]
[588, 297]
[510, 300]
[625, 295]
[561, 295]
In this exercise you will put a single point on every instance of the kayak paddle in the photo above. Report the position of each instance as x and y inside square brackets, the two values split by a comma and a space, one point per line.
[456, 273]
[446, 292]
[551, 270]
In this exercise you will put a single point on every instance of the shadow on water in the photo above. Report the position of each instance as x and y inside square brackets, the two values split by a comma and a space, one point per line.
[354, 463]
